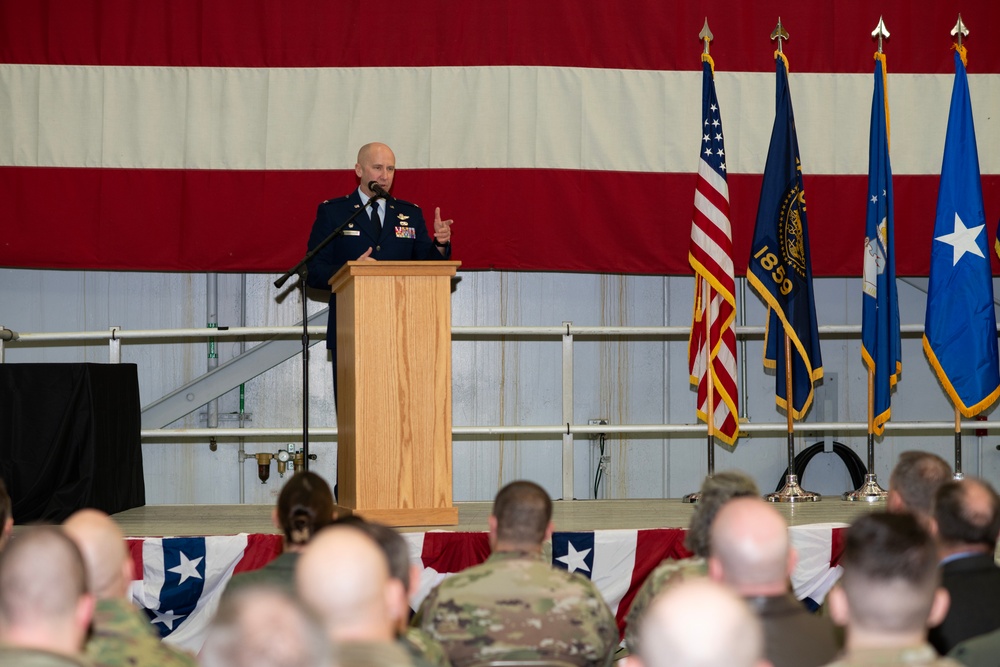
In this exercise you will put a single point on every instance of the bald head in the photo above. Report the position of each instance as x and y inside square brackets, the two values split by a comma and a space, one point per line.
[343, 577]
[700, 623]
[43, 592]
[967, 514]
[376, 162]
[102, 544]
[750, 548]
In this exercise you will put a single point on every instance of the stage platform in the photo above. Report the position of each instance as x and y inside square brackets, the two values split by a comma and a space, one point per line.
[568, 515]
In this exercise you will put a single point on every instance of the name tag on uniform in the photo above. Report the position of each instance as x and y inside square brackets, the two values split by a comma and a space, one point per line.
[406, 233]
[351, 232]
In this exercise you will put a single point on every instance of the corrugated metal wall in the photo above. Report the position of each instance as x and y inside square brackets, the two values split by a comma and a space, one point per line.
[515, 381]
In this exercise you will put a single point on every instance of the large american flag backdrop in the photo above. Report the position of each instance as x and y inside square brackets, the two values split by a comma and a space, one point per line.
[197, 135]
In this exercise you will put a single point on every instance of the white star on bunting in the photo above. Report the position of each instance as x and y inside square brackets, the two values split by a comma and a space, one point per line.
[574, 559]
[187, 569]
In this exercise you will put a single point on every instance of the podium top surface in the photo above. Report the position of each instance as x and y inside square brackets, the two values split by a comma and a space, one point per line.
[393, 268]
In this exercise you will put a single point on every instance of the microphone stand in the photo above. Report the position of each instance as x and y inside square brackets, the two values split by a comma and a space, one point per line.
[302, 270]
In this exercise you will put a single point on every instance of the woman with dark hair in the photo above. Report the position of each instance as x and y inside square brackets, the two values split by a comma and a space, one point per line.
[305, 505]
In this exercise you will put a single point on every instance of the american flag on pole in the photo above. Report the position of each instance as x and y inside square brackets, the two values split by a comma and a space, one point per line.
[711, 257]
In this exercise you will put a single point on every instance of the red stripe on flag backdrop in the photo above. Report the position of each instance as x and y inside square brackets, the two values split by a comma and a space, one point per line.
[643, 34]
[217, 220]
[115, 219]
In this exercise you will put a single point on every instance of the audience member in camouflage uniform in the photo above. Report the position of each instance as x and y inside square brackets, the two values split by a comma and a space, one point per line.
[120, 634]
[262, 626]
[716, 490]
[305, 505]
[44, 605]
[516, 606]
[343, 577]
[699, 622]
[416, 641]
[889, 594]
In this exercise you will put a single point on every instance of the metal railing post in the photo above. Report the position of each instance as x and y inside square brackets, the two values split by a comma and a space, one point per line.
[567, 412]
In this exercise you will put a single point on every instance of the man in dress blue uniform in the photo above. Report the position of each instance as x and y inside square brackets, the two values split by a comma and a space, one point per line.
[388, 229]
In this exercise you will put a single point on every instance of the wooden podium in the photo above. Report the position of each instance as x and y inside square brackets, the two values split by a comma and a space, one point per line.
[394, 391]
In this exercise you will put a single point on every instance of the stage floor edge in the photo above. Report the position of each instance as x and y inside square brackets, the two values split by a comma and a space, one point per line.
[568, 515]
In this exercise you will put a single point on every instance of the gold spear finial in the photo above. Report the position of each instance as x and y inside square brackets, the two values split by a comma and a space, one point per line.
[779, 34]
[706, 35]
[880, 32]
[960, 30]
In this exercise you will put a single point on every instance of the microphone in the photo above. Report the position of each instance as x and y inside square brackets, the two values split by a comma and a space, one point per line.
[378, 190]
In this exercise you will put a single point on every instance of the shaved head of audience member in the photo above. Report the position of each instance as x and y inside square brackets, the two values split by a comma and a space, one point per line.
[751, 552]
[914, 481]
[750, 548]
[262, 626]
[699, 623]
[716, 490]
[521, 518]
[44, 603]
[121, 634]
[102, 545]
[343, 576]
[400, 568]
[6, 515]
[967, 517]
[889, 593]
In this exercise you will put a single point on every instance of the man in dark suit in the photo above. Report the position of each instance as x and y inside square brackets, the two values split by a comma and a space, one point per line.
[967, 514]
[387, 229]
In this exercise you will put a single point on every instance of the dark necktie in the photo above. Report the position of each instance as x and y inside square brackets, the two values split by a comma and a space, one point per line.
[376, 221]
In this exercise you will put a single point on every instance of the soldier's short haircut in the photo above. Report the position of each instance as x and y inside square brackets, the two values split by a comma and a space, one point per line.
[394, 546]
[304, 506]
[962, 518]
[890, 572]
[523, 511]
[261, 626]
[42, 576]
[917, 477]
[716, 491]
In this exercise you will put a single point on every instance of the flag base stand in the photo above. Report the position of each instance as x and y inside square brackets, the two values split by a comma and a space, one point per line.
[791, 492]
[869, 492]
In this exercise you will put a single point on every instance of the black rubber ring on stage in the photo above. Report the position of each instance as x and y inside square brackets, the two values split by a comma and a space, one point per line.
[855, 466]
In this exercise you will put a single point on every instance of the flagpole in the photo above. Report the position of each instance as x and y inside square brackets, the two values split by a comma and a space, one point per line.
[706, 36]
[791, 492]
[958, 445]
[870, 491]
[705, 295]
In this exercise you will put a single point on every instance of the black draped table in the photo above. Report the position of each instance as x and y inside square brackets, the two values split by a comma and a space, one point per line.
[69, 438]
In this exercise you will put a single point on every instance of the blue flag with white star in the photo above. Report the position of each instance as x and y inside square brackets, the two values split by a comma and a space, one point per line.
[880, 343]
[780, 268]
[960, 329]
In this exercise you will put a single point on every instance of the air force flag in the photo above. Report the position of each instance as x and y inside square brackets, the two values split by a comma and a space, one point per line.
[960, 330]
